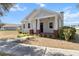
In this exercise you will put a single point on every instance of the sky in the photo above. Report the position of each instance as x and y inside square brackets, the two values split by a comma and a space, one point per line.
[21, 10]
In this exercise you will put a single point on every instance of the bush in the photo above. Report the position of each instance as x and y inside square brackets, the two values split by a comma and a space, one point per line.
[45, 35]
[49, 36]
[40, 35]
[67, 33]
[21, 35]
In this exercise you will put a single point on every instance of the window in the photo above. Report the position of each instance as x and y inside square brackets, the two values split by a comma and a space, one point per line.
[28, 25]
[51, 25]
[23, 25]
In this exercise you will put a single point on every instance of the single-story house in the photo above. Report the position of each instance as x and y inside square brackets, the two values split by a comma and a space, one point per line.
[9, 27]
[42, 20]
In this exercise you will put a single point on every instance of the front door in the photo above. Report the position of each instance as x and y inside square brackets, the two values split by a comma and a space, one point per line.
[41, 27]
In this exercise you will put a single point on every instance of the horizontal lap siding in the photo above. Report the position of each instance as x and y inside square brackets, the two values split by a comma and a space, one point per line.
[46, 25]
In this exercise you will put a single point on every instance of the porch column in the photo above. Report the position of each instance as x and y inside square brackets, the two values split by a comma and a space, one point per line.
[56, 27]
[31, 28]
[56, 23]
[38, 26]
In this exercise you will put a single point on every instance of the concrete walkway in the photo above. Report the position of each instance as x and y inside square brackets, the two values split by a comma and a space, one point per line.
[15, 47]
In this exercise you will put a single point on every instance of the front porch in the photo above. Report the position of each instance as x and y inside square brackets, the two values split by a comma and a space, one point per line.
[45, 25]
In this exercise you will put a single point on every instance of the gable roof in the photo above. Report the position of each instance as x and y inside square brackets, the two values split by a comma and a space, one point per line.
[39, 12]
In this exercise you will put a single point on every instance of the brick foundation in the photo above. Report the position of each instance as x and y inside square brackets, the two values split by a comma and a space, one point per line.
[55, 33]
[37, 31]
[31, 31]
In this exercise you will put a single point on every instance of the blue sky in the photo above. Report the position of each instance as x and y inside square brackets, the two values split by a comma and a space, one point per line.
[21, 10]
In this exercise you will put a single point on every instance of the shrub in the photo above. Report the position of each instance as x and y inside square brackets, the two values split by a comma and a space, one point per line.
[21, 35]
[67, 32]
[19, 31]
[48, 36]
[45, 35]
[42, 35]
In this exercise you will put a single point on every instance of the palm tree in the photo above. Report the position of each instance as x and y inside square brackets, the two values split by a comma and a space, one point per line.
[5, 7]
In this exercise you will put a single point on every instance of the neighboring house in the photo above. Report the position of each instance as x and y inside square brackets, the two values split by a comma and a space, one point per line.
[19, 27]
[75, 26]
[9, 27]
[1, 24]
[42, 21]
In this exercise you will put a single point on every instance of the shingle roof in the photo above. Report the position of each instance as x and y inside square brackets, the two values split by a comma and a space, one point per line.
[39, 10]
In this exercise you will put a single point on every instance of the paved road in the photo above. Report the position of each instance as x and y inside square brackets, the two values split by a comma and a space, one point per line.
[16, 48]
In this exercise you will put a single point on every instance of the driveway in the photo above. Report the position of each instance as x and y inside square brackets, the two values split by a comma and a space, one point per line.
[16, 48]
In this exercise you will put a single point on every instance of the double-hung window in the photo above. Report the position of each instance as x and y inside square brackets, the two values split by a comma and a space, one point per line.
[51, 25]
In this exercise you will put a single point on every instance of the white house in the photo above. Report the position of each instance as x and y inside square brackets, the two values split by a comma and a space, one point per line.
[42, 20]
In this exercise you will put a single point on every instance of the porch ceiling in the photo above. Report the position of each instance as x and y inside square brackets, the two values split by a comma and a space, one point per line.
[45, 17]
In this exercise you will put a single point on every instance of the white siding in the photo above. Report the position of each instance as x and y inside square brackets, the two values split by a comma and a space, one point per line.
[60, 23]
[56, 23]
[43, 15]
[46, 28]
[23, 29]
[34, 25]
[45, 21]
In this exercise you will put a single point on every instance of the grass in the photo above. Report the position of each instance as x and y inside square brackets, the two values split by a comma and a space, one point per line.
[8, 34]
[40, 41]
[48, 42]
[53, 43]
[25, 36]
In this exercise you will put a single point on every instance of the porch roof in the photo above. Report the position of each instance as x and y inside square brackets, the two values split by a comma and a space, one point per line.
[41, 13]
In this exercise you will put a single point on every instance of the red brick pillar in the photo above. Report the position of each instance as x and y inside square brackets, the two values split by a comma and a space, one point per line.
[37, 31]
[31, 31]
[55, 33]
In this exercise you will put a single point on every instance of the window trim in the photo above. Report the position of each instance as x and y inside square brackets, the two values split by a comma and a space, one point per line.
[28, 25]
[24, 26]
[50, 25]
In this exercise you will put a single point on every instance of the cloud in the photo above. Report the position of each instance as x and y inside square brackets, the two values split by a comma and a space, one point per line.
[67, 9]
[18, 8]
[70, 17]
[41, 4]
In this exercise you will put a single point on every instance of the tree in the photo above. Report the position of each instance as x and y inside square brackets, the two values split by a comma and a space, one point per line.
[5, 7]
[67, 33]
[77, 6]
